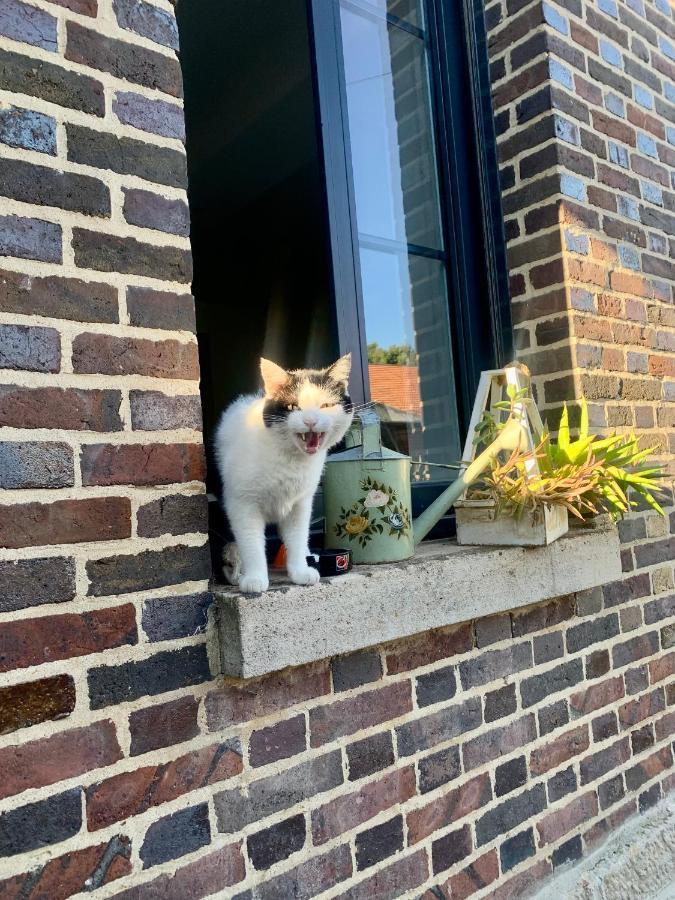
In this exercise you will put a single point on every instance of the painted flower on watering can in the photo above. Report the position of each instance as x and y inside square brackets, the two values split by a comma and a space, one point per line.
[356, 524]
[396, 521]
[375, 499]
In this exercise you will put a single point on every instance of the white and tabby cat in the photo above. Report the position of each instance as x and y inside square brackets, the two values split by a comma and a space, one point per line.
[271, 448]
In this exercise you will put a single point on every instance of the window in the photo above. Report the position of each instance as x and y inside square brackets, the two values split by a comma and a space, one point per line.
[344, 196]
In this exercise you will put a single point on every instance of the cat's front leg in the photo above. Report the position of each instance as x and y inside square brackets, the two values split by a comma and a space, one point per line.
[294, 530]
[248, 527]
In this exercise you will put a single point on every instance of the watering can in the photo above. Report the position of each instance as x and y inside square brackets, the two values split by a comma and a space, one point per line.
[367, 498]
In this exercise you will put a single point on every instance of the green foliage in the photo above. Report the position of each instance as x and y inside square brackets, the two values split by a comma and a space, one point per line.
[395, 355]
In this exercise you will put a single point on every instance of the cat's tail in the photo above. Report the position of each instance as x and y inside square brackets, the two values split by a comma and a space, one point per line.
[231, 563]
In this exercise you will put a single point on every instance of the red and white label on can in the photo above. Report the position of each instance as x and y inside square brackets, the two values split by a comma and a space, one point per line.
[342, 562]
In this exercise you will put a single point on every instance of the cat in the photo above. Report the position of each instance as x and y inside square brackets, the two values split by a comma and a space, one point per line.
[271, 448]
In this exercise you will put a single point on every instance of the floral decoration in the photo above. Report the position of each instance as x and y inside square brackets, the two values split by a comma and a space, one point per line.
[378, 511]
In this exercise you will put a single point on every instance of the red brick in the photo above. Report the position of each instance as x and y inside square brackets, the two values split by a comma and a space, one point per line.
[67, 408]
[559, 750]
[279, 741]
[598, 832]
[642, 708]
[132, 793]
[597, 695]
[326, 723]
[583, 36]
[32, 642]
[627, 283]
[429, 647]
[602, 250]
[72, 873]
[660, 669]
[140, 464]
[561, 821]
[587, 272]
[543, 615]
[65, 522]
[613, 127]
[498, 742]
[593, 329]
[205, 876]
[448, 808]
[241, 701]
[110, 355]
[47, 761]
[642, 119]
[661, 366]
[479, 874]
[350, 810]
[665, 726]
[163, 725]
[648, 768]
[605, 200]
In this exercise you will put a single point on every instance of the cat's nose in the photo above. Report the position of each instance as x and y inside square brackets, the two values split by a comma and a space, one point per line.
[310, 420]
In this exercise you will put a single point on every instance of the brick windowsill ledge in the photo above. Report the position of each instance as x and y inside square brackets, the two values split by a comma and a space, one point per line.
[442, 585]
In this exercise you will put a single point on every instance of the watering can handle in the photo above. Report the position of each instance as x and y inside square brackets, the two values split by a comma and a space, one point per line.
[370, 431]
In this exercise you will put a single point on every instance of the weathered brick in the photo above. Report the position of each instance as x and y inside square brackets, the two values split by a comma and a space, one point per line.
[510, 776]
[28, 130]
[509, 814]
[547, 647]
[438, 768]
[448, 808]
[428, 647]
[65, 522]
[662, 668]
[160, 309]
[500, 703]
[141, 464]
[28, 24]
[495, 664]
[648, 768]
[544, 615]
[436, 686]
[558, 751]
[147, 570]
[112, 355]
[30, 239]
[34, 582]
[132, 793]
[148, 210]
[448, 722]
[67, 408]
[450, 849]
[83, 7]
[236, 809]
[649, 798]
[176, 835]
[312, 877]
[350, 810]
[656, 610]
[634, 649]
[477, 875]
[665, 726]
[44, 186]
[390, 882]
[355, 669]
[517, 849]
[644, 707]
[602, 762]
[597, 663]
[271, 845]
[56, 297]
[166, 671]
[167, 618]
[153, 411]
[163, 725]
[581, 636]
[554, 716]
[642, 739]
[560, 822]
[561, 784]
[32, 702]
[632, 588]
[499, 741]
[377, 843]
[153, 116]
[178, 514]
[278, 741]
[109, 253]
[123, 60]
[344, 717]
[65, 755]
[147, 20]
[596, 696]
[50, 82]
[537, 687]
[41, 824]
[370, 755]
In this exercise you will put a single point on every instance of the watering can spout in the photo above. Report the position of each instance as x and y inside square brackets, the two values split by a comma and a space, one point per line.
[512, 437]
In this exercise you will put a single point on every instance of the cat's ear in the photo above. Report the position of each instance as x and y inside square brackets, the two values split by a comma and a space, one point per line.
[340, 370]
[273, 376]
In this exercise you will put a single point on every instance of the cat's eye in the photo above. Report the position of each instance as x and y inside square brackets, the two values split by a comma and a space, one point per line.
[327, 405]
[291, 407]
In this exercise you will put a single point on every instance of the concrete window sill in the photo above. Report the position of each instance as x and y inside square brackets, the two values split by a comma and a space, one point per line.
[443, 584]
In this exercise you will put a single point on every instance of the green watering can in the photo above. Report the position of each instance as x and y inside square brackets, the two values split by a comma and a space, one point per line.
[367, 499]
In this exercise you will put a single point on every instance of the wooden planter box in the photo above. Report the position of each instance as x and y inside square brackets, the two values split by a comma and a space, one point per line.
[478, 524]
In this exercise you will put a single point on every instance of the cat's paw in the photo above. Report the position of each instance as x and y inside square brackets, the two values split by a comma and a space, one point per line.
[304, 575]
[254, 584]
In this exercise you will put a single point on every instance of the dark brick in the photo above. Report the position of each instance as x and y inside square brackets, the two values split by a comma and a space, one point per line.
[41, 824]
[517, 849]
[30, 239]
[649, 798]
[31, 702]
[570, 851]
[605, 726]
[510, 776]
[344, 717]
[28, 130]
[609, 77]
[379, 842]
[656, 610]
[28, 24]
[554, 716]
[109, 253]
[148, 210]
[178, 514]
[655, 552]
[544, 615]
[210, 874]
[153, 116]
[648, 768]
[24, 75]
[537, 687]
[597, 663]
[153, 411]
[126, 156]
[33, 582]
[561, 784]
[477, 875]
[147, 570]
[166, 671]
[163, 725]
[68, 408]
[563, 820]
[618, 592]
[637, 680]
[448, 722]
[533, 105]
[271, 845]
[634, 649]
[65, 522]
[642, 739]
[370, 755]
[147, 20]
[355, 669]
[449, 849]
[547, 647]
[141, 464]
[167, 618]
[495, 664]
[308, 879]
[160, 309]
[83, 7]
[44, 186]
[438, 769]
[581, 636]
[604, 761]
[509, 814]
[500, 703]
[428, 647]
[175, 835]
[266, 745]
[644, 707]
[492, 629]
[123, 60]
[35, 465]
[436, 686]
[59, 298]
[492, 744]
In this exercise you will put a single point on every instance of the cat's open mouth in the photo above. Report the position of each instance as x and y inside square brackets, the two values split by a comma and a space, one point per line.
[312, 440]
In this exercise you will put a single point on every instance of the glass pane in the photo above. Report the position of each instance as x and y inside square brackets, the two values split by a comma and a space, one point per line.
[410, 11]
[391, 131]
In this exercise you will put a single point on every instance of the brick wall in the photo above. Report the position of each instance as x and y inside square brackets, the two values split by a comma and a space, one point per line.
[469, 761]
